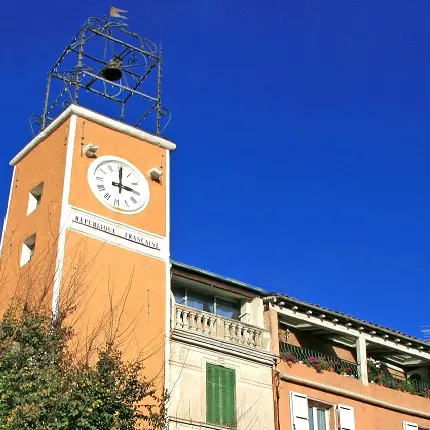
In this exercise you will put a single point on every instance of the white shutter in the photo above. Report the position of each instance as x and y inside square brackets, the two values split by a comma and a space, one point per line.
[346, 417]
[299, 411]
[409, 426]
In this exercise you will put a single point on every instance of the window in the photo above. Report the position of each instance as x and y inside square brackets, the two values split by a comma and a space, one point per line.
[227, 309]
[220, 395]
[312, 415]
[27, 251]
[215, 305]
[318, 418]
[200, 301]
[34, 198]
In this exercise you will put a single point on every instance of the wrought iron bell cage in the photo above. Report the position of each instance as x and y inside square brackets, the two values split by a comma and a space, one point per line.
[108, 68]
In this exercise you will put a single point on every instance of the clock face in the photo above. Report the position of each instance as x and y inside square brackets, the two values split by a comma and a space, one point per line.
[118, 185]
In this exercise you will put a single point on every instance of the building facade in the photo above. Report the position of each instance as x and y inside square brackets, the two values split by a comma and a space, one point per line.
[88, 228]
[71, 238]
[228, 354]
[337, 372]
[221, 364]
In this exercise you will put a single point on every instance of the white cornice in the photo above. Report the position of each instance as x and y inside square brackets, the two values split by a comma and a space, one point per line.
[98, 119]
[219, 345]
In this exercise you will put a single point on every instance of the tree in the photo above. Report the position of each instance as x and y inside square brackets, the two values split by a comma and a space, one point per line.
[43, 385]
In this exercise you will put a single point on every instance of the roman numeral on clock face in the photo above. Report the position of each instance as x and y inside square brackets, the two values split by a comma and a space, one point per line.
[133, 199]
[107, 196]
[110, 167]
[101, 187]
[116, 202]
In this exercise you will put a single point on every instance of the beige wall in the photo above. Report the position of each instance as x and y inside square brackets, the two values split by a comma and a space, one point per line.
[254, 394]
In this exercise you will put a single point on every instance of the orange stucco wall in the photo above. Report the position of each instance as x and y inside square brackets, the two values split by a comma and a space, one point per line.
[143, 155]
[114, 289]
[367, 416]
[133, 283]
[117, 290]
[45, 163]
[307, 340]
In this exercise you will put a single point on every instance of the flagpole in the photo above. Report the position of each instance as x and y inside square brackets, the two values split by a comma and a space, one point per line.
[108, 29]
[110, 8]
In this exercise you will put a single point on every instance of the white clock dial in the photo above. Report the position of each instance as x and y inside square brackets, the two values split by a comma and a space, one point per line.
[118, 184]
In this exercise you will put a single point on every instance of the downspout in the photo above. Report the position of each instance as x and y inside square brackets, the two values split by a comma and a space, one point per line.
[275, 383]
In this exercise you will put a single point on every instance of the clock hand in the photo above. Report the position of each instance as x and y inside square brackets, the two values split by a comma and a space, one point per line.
[128, 188]
[118, 184]
[125, 187]
[121, 186]
[120, 180]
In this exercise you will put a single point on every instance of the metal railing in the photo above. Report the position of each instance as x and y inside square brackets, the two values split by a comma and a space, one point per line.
[382, 376]
[318, 360]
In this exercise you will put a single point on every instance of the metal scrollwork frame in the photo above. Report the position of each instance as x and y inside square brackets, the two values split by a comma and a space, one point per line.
[79, 70]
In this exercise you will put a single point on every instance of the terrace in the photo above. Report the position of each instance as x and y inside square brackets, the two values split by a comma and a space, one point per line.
[332, 342]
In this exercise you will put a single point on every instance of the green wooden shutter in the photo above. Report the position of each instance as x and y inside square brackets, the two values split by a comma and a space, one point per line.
[230, 397]
[211, 393]
[220, 395]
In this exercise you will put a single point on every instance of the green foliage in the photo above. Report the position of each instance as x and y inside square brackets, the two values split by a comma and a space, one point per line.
[381, 375]
[44, 386]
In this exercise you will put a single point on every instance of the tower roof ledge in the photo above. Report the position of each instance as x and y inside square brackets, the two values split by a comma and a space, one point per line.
[98, 119]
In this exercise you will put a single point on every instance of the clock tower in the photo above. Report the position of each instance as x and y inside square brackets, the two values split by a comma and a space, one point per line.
[88, 218]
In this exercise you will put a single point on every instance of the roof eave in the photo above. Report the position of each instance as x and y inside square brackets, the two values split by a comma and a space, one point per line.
[217, 277]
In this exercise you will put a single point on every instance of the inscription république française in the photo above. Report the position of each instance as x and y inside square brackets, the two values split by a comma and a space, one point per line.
[115, 231]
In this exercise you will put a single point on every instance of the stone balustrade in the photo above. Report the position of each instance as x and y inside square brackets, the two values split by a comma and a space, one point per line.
[187, 318]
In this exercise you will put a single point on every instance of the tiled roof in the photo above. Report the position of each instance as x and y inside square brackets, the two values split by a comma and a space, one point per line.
[217, 277]
[310, 306]
[348, 318]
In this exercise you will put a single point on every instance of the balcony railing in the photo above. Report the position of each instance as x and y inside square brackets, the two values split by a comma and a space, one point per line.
[194, 320]
[318, 360]
[379, 374]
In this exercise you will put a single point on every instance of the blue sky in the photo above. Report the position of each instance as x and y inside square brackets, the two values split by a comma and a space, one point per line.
[302, 130]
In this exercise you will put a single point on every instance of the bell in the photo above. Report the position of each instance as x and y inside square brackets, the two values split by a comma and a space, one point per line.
[112, 72]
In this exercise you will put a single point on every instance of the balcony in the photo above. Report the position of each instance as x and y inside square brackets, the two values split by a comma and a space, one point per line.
[379, 374]
[319, 361]
[214, 326]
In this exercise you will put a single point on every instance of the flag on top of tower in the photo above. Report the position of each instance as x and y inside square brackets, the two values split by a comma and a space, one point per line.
[116, 13]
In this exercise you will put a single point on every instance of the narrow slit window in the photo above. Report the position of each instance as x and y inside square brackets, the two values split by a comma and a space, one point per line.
[27, 251]
[34, 198]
